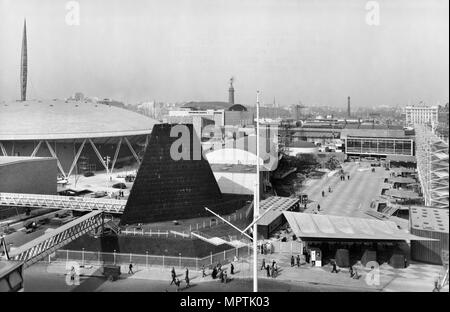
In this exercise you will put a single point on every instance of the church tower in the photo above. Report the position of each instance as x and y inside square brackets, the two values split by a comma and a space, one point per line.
[231, 92]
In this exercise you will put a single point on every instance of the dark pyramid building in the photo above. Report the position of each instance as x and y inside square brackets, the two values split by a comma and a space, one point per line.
[167, 189]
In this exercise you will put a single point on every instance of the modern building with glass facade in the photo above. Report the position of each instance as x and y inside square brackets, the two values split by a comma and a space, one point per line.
[377, 142]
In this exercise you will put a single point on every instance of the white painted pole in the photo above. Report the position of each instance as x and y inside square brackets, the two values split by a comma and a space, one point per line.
[256, 203]
[225, 221]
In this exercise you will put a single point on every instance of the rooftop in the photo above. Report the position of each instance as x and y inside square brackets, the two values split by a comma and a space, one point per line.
[6, 160]
[430, 219]
[59, 119]
[207, 105]
[302, 144]
[374, 133]
[306, 225]
[277, 205]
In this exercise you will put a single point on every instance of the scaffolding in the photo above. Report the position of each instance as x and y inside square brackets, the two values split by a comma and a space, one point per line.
[432, 166]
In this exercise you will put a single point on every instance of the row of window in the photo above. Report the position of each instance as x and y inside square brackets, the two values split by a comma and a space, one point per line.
[379, 146]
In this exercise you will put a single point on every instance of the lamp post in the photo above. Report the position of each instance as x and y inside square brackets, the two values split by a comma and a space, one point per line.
[256, 216]
[107, 160]
[256, 203]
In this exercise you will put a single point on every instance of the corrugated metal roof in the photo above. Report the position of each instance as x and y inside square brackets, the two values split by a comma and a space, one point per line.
[305, 225]
[429, 219]
[375, 133]
[277, 205]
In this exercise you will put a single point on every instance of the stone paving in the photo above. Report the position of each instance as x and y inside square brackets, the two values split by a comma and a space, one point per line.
[417, 277]
[350, 197]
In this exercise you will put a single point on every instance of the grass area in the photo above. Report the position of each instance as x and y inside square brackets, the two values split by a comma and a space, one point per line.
[204, 224]
[168, 246]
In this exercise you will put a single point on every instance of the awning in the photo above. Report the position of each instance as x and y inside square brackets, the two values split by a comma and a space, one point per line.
[401, 158]
[402, 194]
[305, 225]
[277, 205]
[402, 180]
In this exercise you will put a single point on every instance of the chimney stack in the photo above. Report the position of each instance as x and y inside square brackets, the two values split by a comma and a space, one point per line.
[348, 107]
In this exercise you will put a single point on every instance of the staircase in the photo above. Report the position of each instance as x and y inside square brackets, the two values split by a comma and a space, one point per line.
[216, 241]
[112, 225]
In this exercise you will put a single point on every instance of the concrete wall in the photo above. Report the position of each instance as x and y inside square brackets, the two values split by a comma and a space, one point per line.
[33, 176]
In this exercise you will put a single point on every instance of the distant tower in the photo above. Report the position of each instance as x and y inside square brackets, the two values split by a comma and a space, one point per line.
[349, 114]
[24, 65]
[231, 92]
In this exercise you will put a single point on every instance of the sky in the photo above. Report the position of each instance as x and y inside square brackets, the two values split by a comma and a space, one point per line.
[316, 52]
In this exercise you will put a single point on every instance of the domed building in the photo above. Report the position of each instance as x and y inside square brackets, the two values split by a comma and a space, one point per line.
[74, 132]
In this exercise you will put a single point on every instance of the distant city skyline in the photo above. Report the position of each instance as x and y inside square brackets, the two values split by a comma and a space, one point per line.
[316, 52]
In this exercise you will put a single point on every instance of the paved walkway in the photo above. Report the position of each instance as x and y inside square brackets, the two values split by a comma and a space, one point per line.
[350, 197]
[417, 277]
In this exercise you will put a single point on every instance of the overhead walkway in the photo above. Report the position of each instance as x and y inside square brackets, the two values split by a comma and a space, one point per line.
[48, 243]
[62, 202]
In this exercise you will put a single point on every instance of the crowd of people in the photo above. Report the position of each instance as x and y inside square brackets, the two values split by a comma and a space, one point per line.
[218, 272]
[271, 268]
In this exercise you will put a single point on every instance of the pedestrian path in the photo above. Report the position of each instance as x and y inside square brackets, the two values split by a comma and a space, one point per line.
[351, 197]
[417, 277]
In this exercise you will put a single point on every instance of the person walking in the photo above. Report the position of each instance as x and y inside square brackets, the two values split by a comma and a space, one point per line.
[187, 281]
[203, 271]
[355, 274]
[268, 270]
[323, 193]
[437, 287]
[174, 280]
[318, 207]
[348, 177]
[186, 273]
[130, 269]
[72, 274]
[334, 268]
[231, 268]
[298, 261]
[174, 276]
[292, 261]
[263, 265]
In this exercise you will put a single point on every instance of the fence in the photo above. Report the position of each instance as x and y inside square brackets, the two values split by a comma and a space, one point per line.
[101, 258]
[292, 247]
[186, 229]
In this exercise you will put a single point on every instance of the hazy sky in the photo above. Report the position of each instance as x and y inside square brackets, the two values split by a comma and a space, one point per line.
[318, 52]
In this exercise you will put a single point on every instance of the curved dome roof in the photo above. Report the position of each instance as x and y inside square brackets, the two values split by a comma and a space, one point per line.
[59, 119]
[238, 107]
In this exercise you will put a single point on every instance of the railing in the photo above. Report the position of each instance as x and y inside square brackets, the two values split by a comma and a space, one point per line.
[103, 258]
[46, 244]
[291, 247]
[62, 202]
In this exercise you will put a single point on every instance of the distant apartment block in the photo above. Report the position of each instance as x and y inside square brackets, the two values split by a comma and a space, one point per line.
[421, 114]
